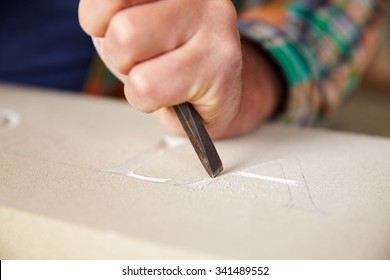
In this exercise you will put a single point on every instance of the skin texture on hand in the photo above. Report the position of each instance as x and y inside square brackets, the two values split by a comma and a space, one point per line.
[168, 52]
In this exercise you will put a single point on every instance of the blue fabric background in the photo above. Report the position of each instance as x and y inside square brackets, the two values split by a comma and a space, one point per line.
[41, 43]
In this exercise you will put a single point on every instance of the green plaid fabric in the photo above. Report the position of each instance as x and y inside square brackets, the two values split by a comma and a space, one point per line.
[322, 47]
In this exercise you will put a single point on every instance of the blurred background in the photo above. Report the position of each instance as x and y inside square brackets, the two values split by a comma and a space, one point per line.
[49, 48]
[368, 110]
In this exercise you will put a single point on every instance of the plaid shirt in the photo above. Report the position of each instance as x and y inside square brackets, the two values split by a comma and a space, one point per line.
[321, 47]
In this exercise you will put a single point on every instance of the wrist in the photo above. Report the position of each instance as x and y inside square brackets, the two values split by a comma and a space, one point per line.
[263, 91]
[263, 85]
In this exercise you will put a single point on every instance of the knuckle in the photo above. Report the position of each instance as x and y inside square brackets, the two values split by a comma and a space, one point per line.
[122, 43]
[231, 58]
[95, 18]
[143, 91]
[141, 83]
[124, 32]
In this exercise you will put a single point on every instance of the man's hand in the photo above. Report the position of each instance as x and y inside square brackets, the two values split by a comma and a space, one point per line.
[168, 52]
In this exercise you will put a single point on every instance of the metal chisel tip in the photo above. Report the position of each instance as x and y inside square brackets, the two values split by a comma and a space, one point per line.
[199, 138]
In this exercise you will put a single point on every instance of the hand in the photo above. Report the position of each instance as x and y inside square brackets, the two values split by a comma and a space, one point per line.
[168, 52]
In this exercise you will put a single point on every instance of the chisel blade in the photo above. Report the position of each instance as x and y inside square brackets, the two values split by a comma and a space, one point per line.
[199, 138]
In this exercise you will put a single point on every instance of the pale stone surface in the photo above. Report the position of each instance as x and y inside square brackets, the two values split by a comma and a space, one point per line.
[310, 193]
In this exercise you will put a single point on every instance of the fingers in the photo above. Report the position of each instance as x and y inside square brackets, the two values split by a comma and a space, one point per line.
[172, 78]
[196, 72]
[95, 15]
[172, 51]
[141, 32]
[188, 74]
[146, 31]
